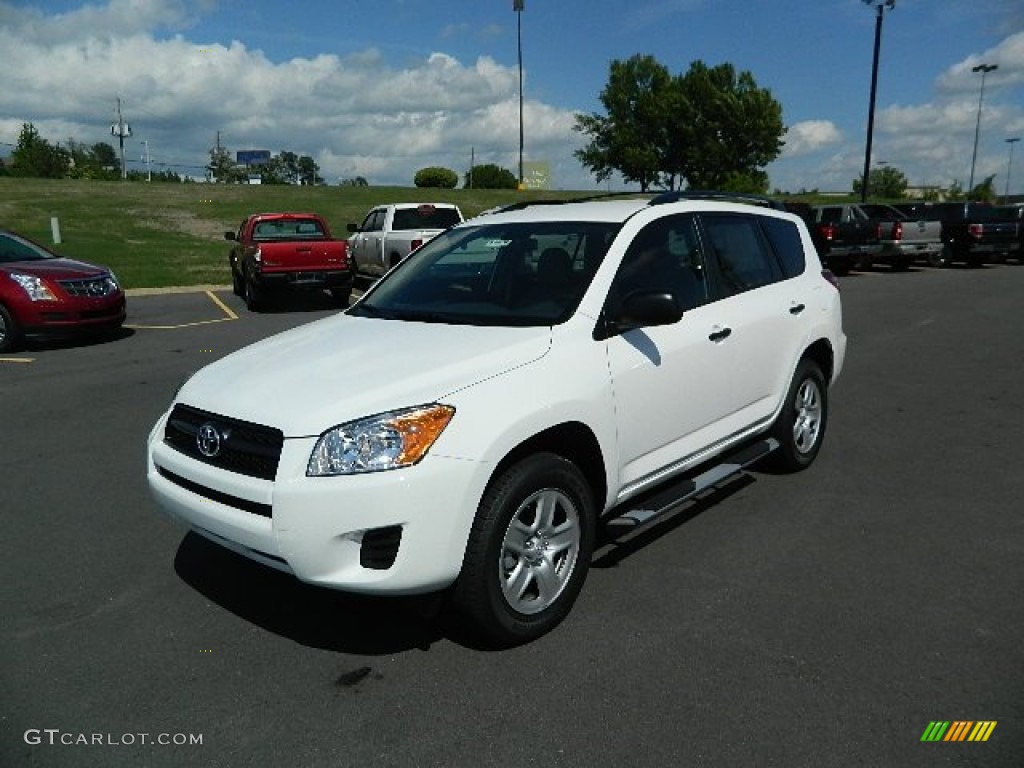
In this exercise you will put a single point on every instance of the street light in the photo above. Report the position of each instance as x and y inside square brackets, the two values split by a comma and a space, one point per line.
[1009, 167]
[984, 69]
[517, 6]
[881, 6]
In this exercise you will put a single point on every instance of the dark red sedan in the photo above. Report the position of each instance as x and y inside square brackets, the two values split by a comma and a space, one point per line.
[43, 294]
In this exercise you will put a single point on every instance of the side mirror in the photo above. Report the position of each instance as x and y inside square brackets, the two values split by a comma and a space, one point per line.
[643, 309]
[230, 236]
[352, 227]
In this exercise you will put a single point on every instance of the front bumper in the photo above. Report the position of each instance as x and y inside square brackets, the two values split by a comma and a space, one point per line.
[396, 532]
[305, 279]
[70, 316]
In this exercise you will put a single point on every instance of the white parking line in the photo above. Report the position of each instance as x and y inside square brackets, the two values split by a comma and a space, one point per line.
[17, 359]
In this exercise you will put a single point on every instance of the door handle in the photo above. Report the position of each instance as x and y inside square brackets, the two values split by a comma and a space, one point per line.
[720, 335]
[796, 309]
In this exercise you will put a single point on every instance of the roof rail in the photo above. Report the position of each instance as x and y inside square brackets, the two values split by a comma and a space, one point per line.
[551, 201]
[705, 194]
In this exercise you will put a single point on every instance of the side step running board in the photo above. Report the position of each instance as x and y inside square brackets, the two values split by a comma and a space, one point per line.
[640, 512]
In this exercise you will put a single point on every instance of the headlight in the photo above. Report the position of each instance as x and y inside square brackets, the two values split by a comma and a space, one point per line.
[113, 283]
[33, 286]
[386, 441]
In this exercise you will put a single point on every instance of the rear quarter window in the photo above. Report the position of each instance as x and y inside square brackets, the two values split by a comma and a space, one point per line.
[787, 244]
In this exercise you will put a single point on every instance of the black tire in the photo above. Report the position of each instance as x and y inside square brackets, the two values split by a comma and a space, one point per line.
[901, 264]
[252, 294]
[800, 426]
[533, 535]
[237, 285]
[941, 258]
[342, 295]
[393, 260]
[10, 332]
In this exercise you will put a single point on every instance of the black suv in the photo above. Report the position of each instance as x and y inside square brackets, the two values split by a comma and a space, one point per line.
[972, 232]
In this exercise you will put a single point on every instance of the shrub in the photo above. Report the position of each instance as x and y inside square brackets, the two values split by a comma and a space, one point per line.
[491, 176]
[442, 178]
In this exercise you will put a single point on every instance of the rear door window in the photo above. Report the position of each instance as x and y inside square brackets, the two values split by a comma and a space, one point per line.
[743, 257]
[787, 244]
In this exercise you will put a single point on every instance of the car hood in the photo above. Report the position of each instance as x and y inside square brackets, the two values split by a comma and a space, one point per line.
[311, 378]
[55, 269]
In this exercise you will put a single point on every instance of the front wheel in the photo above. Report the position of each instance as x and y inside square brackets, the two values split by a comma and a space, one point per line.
[800, 427]
[10, 333]
[528, 551]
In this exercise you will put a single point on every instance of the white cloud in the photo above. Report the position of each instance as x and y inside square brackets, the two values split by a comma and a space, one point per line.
[810, 136]
[960, 79]
[356, 115]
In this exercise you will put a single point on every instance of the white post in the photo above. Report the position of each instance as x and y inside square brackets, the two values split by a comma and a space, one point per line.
[55, 230]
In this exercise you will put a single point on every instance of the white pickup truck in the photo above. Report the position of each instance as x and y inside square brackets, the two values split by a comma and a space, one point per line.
[389, 233]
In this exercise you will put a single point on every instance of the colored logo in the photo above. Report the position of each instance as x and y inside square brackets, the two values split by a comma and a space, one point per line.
[958, 730]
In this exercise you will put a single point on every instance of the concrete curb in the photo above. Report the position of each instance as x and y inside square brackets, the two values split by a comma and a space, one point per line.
[175, 289]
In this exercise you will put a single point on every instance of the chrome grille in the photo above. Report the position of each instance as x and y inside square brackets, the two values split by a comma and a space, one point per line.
[95, 287]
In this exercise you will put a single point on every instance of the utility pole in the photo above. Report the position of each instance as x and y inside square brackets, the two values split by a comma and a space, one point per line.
[881, 6]
[121, 129]
[1009, 168]
[517, 6]
[984, 69]
[149, 162]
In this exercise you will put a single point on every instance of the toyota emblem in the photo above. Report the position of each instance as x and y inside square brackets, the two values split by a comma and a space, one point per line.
[208, 440]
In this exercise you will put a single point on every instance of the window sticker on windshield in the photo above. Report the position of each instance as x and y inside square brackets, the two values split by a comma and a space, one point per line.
[497, 243]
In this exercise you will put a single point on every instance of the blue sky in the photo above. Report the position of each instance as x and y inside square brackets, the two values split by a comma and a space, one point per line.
[379, 89]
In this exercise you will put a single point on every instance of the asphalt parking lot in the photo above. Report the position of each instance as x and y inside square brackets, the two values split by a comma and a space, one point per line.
[823, 619]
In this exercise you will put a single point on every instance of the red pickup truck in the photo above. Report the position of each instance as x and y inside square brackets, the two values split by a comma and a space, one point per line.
[278, 251]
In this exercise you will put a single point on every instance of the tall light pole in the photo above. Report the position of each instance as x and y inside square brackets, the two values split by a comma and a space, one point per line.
[517, 6]
[984, 69]
[880, 6]
[1009, 167]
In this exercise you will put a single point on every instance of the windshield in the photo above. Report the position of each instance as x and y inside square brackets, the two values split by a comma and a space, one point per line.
[14, 248]
[425, 217]
[521, 274]
[290, 228]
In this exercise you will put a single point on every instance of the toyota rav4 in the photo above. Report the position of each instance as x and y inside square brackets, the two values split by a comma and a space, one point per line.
[524, 377]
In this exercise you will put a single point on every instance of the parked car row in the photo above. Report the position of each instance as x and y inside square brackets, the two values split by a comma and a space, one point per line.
[851, 236]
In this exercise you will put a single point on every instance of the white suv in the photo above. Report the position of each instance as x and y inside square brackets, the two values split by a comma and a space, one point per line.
[530, 373]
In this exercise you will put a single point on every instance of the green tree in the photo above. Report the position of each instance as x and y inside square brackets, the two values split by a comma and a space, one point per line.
[632, 137]
[985, 192]
[223, 169]
[35, 156]
[438, 178]
[709, 128]
[490, 176]
[722, 127]
[887, 182]
[308, 171]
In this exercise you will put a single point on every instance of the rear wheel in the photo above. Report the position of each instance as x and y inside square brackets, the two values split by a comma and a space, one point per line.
[800, 426]
[10, 333]
[253, 294]
[528, 551]
[342, 294]
[941, 258]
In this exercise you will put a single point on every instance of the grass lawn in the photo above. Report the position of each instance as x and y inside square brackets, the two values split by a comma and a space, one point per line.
[165, 234]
